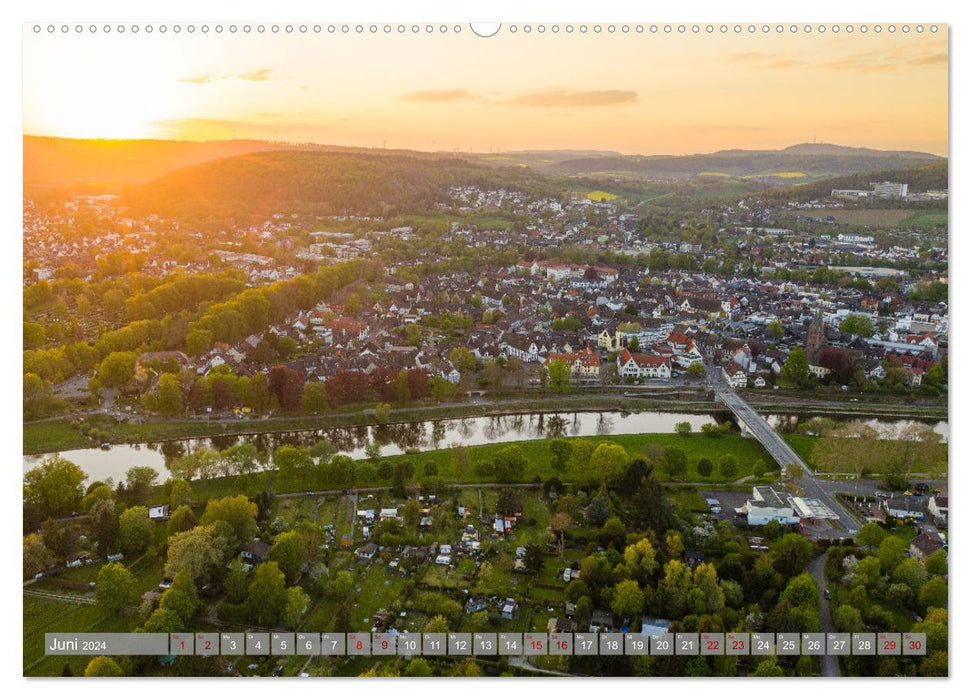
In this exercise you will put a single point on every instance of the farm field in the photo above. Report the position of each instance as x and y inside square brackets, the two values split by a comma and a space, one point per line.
[883, 218]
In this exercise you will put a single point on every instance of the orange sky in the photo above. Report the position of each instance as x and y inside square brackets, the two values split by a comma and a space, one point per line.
[635, 93]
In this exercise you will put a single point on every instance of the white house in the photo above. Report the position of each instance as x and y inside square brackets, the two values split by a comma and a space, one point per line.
[637, 365]
[767, 505]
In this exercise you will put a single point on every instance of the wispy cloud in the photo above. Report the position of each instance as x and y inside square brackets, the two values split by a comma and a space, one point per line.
[437, 96]
[906, 55]
[565, 98]
[259, 75]
[913, 54]
[199, 79]
[775, 61]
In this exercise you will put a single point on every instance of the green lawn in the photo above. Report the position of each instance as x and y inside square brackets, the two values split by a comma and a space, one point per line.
[52, 436]
[43, 615]
[928, 218]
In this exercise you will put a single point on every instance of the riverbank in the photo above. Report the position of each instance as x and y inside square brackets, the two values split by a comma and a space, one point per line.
[58, 435]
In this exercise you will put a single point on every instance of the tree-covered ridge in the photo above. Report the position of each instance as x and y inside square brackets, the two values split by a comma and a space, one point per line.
[930, 176]
[257, 185]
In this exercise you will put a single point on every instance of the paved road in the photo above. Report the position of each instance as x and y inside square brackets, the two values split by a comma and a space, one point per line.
[782, 453]
[829, 665]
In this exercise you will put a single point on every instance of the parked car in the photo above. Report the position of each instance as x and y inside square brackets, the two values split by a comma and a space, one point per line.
[826, 594]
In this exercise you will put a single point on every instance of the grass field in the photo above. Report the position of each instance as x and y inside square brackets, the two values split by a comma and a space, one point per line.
[43, 615]
[537, 454]
[930, 218]
[887, 218]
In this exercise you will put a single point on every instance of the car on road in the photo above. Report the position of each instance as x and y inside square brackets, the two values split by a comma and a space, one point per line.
[826, 594]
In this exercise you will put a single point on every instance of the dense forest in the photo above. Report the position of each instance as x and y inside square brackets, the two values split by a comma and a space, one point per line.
[254, 186]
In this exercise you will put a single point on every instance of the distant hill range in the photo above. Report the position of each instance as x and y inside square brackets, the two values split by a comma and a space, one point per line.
[98, 163]
[802, 162]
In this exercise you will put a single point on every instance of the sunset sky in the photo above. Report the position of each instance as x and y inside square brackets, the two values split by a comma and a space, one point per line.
[635, 93]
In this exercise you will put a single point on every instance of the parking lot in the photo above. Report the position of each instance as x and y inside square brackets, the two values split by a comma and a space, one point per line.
[728, 500]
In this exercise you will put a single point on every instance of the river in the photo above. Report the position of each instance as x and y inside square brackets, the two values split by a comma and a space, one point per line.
[397, 438]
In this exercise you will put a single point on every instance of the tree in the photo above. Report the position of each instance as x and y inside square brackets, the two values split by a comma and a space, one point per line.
[342, 585]
[242, 458]
[237, 582]
[933, 594]
[163, 620]
[462, 359]
[608, 463]
[683, 428]
[802, 590]
[936, 563]
[418, 668]
[673, 588]
[628, 599]
[294, 464]
[138, 485]
[180, 493]
[792, 553]
[200, 551]
[776, 329]
[103, 667]
[846, 618]
[769, 669]
[37, 557]
[891, 552]
[37, 393]
[675, 462]
[509, 464]
[705, 467]
[267, 596]
[182, 598]
[296, 605]
[641, 560]
[613, 533]
[117, 369]
[696, 369]
[287, 385]
[437, 624]
[169, 390]
[758, 469]
[559, 374]
[182, 519]
[795, 371]
[857, 324]
[597, 512]
[289, 552]
[910, 572]
[115, 587]
[34, 336]
[135, 529]
[236, 511]
[54, 487]
[314, 399]
[103, 524]
[728, 466]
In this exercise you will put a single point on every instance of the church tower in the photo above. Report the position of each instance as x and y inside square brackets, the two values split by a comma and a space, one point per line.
[815, 339]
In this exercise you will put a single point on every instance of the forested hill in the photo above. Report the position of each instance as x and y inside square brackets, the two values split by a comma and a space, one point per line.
[932, 176]
[809, 161]
[260, 184]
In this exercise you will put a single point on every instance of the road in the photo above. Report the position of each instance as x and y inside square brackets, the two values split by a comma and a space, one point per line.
[782, 453]
[829, 664]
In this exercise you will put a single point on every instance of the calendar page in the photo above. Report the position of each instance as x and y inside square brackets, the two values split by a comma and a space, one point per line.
[437, 349]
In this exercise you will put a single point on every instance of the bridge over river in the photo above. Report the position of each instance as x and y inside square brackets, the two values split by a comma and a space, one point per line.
[818, 495]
